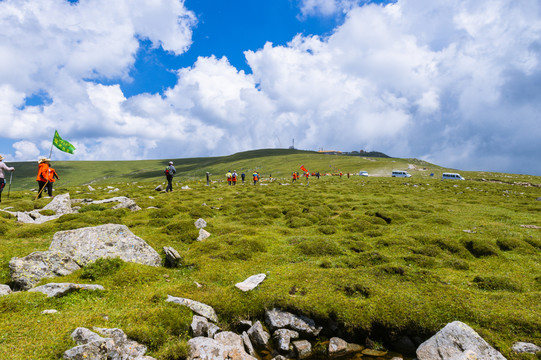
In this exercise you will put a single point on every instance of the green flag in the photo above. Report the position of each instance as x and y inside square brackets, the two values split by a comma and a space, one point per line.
[61, 144]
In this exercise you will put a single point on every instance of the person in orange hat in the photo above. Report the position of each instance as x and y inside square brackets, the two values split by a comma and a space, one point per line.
[43, 174]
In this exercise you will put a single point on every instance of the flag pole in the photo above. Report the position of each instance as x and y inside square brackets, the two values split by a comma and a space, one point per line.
[52, 143]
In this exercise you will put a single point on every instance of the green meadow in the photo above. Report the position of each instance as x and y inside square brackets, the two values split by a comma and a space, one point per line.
[371, 257]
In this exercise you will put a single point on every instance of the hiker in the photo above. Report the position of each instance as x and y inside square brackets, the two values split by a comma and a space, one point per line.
[294, 176]
[234, 177]
[3, 167]
[255, 176]
[228, 176]
[43, 174]
[51, 178]
[208, 178]
[348, 174]
[307, 175]
[242, 176]
[318, 175]
[169, 171]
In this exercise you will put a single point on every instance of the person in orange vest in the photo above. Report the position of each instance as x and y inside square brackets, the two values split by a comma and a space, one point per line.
[229, 176]
[307, 174]
[255, 176]
[234, 177]
[43, 174]
[51, 178]
[294, 176]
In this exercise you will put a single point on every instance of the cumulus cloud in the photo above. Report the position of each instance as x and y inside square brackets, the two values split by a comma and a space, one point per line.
[456, 82]
[25, 150]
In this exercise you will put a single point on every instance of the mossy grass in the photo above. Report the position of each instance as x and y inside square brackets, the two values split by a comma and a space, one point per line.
[403, 255]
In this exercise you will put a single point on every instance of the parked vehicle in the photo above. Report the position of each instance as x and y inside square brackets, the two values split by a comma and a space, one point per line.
[451, 176]
[400, 173]
[363, 173]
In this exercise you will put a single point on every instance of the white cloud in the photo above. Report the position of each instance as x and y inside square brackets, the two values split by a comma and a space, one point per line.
[454, 81]
[26, 150]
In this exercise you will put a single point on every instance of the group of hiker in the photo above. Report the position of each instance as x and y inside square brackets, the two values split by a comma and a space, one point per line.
[46, 176]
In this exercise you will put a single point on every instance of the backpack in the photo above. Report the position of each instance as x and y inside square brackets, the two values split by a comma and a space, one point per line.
[167, 171]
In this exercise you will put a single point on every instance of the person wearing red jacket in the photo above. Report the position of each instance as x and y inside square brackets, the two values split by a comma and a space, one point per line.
[43, 174]
[51, 178]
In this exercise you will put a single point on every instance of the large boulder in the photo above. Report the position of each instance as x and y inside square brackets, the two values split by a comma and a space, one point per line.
[86, 245]
[115, 345]
[172, 257]
[26, 272]
[277, 319]
[61, 289]
[61, 204]
[457, 340]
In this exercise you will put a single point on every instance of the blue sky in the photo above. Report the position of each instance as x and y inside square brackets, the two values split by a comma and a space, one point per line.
[454, 82]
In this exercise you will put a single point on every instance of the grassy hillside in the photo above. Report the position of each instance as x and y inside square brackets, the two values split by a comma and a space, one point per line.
[379, 257]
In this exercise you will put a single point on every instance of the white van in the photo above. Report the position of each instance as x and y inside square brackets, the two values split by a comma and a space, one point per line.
[400, 173]
[451, 176]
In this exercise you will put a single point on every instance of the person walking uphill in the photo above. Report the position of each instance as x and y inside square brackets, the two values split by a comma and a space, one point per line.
[3, 167]
[170, 171]
[228, 176]
[43, 175]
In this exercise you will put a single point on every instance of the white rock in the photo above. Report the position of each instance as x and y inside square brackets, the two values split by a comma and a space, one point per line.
[251, 283]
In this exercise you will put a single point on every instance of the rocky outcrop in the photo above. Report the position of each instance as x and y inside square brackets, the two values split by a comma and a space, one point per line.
[277, 319]
[197, 307]
[172, 257]
[202, 327]
[61, 204]
[453, 341]
[115, 345]
[28, 271]
[86, 245]
[61, 289]
[251, 283]
[303, 348]
[4, 290]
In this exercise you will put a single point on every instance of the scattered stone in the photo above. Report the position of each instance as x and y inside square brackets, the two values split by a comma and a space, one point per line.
[86, 245]
[538, 199]
[524, 347]
[248, 344]
[530, 226]
[124, 202]
[203, 348]
[279, 357]
[453, 340]
[159, 188]
[172, 257]
[61, 289]
[202, 327]
[200, 223]
[115, 346]
[197, 307]
[28, 271]
[339, 347]
[283, 338]
[185, 187]
[244, 324]
[5, 290]
[251, 283]
[90, 188]
[470, 231]
[277, 319]
[113, 190]
[303, 348]
[258, 336]
[52, 311]
[374, 353]
[203, 234]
